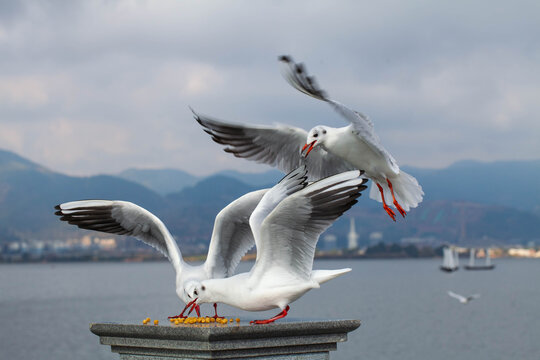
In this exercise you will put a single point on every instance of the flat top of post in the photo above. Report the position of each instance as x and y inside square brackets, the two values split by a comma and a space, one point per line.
[214, 331]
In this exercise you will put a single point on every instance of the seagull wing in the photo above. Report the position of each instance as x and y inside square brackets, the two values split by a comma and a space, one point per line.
[122, 218]
[232, 236]
[457, 296]
[288, 235]
[278, 146]
[296, 76]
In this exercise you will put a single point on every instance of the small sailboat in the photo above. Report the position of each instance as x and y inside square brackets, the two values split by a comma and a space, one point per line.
[450, 260]
[472, 266]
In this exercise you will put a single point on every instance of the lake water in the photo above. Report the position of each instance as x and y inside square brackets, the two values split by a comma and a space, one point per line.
[45, 309]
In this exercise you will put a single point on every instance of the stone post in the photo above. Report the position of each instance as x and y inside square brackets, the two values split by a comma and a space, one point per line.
[281, 340]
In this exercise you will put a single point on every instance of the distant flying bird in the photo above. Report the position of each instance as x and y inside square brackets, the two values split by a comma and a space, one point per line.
[286, 225]
[462, 299]
[358, 145]
[231, 237]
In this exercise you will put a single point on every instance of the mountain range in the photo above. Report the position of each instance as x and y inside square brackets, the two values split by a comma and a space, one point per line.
[467, 202]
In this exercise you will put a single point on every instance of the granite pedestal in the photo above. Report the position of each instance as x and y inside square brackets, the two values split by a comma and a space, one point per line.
[281, 340]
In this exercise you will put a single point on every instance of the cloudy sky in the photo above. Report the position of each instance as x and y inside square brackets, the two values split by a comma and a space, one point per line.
[100, 86]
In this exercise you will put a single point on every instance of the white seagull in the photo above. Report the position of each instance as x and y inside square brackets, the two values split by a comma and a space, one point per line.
[462, 299]
[331, 150]
[231, 236]
[358, 145]
[286, 225]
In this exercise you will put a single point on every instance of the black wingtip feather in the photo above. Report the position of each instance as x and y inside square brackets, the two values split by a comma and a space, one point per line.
[285, 58]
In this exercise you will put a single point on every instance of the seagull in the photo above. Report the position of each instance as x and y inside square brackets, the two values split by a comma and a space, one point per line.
[462, 299]
[331, 151]
[286, 225]
[358, 145]
[231, 236]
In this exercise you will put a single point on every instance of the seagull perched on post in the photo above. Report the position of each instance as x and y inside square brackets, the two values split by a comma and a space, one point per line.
[231, 237]
[286, 225]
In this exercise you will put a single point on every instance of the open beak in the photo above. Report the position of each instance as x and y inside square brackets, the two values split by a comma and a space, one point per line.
[309, 148]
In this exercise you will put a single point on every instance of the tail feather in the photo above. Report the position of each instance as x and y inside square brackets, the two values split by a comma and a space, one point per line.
[406, 189]
[322, 276]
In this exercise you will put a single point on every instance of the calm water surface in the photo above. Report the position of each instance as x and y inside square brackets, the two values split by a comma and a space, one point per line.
[45, 309]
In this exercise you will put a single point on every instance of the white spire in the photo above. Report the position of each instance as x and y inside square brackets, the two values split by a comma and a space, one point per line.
[352, 237]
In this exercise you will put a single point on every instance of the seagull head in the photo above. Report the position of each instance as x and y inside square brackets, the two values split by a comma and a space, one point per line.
[196, 291]
[316, 136]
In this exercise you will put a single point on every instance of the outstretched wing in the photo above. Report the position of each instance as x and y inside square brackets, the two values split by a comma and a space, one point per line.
[232, 236]
[296, 76]
[279, 146]
[289, 234]
[122, 218]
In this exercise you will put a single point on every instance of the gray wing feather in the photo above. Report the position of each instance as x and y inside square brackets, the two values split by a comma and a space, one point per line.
[232, 236]
[121, 218]
[289, 234]
[278, 146]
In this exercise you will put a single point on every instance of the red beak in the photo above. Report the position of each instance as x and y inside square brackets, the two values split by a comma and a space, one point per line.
[311, 144]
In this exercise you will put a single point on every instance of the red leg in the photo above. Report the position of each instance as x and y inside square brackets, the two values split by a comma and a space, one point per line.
[386, 207]
[195, 307]
[400, 209]
[216, 316]
[182, 313]
[278, 316]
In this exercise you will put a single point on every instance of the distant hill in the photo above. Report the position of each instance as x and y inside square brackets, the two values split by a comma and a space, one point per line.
[265, 179]
[29, 192]
[162, 181]
[168, 181]
[468, 202]
[508, 183]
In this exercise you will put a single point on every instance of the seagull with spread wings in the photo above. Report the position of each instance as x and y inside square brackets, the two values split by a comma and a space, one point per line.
[325, 150]
[231, 236]
[286, 225]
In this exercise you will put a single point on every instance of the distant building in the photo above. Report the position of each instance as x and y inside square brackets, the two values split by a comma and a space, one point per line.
[352, 237]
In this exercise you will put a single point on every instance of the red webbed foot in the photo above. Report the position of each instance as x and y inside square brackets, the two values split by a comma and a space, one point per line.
[390, 212]
[271, 320]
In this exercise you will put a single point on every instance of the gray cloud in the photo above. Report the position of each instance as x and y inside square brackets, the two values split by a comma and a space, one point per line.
[88, 87]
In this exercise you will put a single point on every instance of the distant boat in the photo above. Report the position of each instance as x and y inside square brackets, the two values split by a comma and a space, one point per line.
[450, 260]
[487, 266]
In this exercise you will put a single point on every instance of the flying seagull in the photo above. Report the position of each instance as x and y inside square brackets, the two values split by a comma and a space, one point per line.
[358, 145]
[231, 236]
[462, 299]
[286, 225]
[358, 148]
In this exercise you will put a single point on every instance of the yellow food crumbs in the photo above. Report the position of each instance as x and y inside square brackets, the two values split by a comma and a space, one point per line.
[231, 320]
[212, 320]
[156, 322]
[237, 320]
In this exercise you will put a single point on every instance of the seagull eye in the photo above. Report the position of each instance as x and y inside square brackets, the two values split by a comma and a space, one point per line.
[324, 131]
[203, 288]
